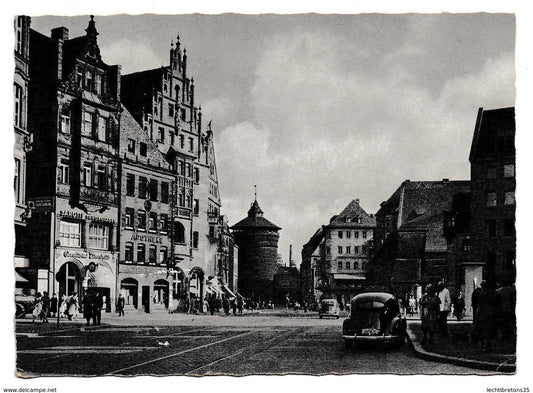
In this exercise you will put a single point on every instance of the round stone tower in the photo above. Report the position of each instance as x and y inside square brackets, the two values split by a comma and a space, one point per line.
[257, 239]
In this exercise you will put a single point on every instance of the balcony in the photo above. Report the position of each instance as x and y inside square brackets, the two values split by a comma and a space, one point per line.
[181, 249]
[97, 195]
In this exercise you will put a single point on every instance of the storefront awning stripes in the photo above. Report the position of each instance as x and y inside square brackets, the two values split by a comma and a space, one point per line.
[352, 277]
[228, 291]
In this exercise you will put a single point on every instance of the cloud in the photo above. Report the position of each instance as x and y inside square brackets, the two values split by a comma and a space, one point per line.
[323, 134]
[132, 55]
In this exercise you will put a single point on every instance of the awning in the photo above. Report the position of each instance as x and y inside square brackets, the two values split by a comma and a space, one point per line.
[19, 278]
[228, 291]
[348, 277]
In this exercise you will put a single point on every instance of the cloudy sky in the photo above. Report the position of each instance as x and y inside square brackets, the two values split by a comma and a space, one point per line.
[317, 110]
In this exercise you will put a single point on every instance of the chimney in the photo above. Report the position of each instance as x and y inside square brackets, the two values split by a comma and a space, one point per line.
[60, 33]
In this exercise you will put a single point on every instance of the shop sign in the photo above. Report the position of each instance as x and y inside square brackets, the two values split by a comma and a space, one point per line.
[86, 255]
[146, 238]
[83, 216]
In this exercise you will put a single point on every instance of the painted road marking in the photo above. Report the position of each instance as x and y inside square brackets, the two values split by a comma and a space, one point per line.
[180, 353]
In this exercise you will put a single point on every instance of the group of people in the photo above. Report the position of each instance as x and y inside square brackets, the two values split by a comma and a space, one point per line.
[92, 305]
[493, 309]
[49, 307]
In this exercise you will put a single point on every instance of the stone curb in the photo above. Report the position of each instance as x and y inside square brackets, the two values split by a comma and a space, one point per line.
[423, 354]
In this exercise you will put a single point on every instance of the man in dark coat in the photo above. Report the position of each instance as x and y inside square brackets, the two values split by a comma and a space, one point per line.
[87, 304]
[121, 302]
[46, 306]
[98, 303]
[53, 305]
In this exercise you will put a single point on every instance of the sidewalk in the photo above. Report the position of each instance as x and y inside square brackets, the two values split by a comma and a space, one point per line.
[457, 348]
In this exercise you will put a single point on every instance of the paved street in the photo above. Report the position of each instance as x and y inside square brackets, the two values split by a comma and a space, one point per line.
[208, 345]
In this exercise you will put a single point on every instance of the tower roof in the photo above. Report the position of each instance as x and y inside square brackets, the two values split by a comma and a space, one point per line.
[255, 220]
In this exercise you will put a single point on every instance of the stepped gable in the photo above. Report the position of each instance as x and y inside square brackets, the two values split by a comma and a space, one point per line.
[255, 220]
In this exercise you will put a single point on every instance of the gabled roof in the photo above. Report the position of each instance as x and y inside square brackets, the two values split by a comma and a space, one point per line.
[353, 216]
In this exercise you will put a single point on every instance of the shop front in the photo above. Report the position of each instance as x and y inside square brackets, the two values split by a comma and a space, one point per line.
[144, 288]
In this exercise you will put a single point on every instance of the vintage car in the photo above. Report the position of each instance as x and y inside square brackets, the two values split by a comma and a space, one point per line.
[328, 308]
[24, 302]
[374, 318]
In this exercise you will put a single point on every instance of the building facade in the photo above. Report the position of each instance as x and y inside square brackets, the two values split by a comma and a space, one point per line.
[347, 244]
[146, 217]
[73, 166]
[22, 144]
[311, 268]
[493, 184]
[410, 248]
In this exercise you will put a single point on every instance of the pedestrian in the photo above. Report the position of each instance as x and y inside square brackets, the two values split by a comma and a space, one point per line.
[212, 302]
[240, 304]
[72, 307]
[226, 305]
[234, 306]
[46, 307]
[53, 305]
[98, 304]
[37, 307]
[429, 313]
[412, 305]
[459, 306]
[121, 302]
[506, 313]
[445, 308]
[475, 302]
[485, 322]
[87, 304]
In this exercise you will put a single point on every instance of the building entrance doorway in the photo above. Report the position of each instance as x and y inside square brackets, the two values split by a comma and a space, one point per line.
[130, 289]
[146, 298]
[69, 279]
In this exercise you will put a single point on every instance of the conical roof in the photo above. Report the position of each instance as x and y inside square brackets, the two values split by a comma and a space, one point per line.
[255, 220]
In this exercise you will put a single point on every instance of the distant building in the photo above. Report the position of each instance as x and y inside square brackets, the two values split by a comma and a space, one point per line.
[311, 268]
[493, 184]
[287, 282]
[347, 242]
[257, 239]
[409, 245]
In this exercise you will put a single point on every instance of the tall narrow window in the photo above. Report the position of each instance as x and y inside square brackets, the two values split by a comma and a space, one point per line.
[163, 223]
[191, 144]
[163, 255]
[141, 253]
[18, 30]
[87, 174]
[18, 198]
[128, 252]
[491, 198]
[141, 218]
[152, 254]
[18, 105]
[164, 192]
[102, 128]
[87, 124]
[64, 172]
[153, 190]
[340, 234]
[161, 135]
[98, 236]
[130, 184]
[143, 149]
[339, 249]
[129, 217]
[65, 121]
[509, 198]
[101, 177]
[143, 187]
[508, 170]
[152, 222]
[131, 145]
[98, 84]
[195, 239]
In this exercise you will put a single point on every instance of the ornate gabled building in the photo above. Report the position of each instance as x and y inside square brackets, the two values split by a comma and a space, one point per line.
[73, 180]
[311, 268]
[257, 239]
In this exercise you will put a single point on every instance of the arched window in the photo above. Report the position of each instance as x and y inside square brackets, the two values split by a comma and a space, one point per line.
[179, 232]
[356, 265]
